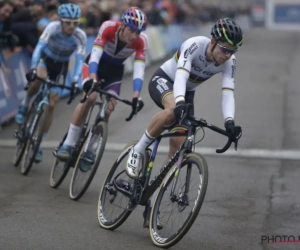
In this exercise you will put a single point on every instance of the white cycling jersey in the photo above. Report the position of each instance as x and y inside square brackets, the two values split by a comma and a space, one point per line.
[189, 68]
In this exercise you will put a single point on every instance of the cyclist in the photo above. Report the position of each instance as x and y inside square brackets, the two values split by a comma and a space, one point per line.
[173, 85]
[51, 57]
[115, 42]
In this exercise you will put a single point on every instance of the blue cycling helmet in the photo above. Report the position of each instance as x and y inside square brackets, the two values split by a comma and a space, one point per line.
[135, 18]
[69, 11]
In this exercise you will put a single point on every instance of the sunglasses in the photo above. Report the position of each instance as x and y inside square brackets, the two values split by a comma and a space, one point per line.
[70, 21]
[226, 50]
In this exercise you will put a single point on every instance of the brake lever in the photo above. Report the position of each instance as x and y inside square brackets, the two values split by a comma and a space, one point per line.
[27, 86]
[235, 145]
[140, 105]
[88, 93]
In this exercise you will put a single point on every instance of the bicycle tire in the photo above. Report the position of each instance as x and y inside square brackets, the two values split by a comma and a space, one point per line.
[158, 241]
[67, 166]
[43, 113]
[24, 129]
[101, 148]
[125, 214]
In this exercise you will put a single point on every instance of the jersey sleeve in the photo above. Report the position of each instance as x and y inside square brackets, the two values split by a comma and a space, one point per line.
[106, 28]
[80, 38]
[228, 101]
[43, 40]
[184, 58]
[139, 62]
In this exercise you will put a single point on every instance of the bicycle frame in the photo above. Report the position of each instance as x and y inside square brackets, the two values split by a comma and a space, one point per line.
[100, 117]
[151, 185]
[101, 114]
[44, 96]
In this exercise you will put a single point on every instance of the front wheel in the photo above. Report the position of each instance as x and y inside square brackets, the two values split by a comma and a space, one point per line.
[183, 205]
[59, 168]
[88, 160]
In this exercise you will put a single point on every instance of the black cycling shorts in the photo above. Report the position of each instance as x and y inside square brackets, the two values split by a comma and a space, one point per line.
[111, 76]
[161, 86]
[57, 71]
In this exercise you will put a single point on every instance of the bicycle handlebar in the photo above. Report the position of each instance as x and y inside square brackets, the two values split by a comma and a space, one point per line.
[50, 83]
[96, 87]
[202, 123]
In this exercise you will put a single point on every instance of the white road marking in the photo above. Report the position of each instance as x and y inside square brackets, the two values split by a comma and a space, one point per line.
[253, 153]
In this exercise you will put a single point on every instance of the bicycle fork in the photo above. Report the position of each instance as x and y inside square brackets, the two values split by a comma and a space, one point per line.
[182, 197]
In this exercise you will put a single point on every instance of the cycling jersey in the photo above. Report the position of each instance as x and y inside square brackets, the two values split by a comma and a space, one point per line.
[59, 46]
[189, 68]
[108, 48]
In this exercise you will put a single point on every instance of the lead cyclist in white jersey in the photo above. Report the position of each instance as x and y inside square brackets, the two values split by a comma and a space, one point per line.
[173, 84]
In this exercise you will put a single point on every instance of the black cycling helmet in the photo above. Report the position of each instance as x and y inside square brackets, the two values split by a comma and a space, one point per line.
[227, 30]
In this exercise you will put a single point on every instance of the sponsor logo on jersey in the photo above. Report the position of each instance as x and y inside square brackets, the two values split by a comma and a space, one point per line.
[233, 67]
[190, 50]
[204, 72]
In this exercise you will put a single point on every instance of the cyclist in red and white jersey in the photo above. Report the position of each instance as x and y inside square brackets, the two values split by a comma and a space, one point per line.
[116, 41]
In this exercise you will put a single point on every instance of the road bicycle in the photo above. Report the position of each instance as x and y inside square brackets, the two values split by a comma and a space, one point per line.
[29, 134]
[134, 192]
[89, 148]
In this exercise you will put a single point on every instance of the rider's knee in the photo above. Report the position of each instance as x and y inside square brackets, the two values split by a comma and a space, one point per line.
[34, 86]
[91, 99]
[111, 106]
[54, 99]
[169, 114]
[52, 104]
[42, 72]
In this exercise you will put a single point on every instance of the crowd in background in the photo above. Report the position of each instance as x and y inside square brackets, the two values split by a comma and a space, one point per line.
[24, 20]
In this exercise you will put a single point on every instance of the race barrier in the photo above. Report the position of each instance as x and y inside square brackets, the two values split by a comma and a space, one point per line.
[162, 42]
[282, 15]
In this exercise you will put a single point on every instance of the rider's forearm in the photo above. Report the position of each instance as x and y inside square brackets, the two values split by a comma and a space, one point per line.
[78, 67]
[37, 53]
[96, 54]
[138, 75]
[137, 85]
[228, 104]
[179, 88]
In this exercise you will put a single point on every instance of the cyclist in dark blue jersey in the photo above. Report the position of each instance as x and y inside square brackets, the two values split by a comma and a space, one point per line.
[51, 58]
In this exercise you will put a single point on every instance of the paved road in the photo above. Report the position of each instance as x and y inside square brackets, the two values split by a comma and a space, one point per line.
[246, 198]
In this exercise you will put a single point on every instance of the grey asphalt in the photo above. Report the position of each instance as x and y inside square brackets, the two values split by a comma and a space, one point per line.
[246, 198]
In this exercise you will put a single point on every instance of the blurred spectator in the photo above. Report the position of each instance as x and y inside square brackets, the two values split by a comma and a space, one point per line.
[51, 15]
[165, 8]
[7, 39]
[153, 15]
[31, 13]
[18, 4]
[28, 18]
[88, 20]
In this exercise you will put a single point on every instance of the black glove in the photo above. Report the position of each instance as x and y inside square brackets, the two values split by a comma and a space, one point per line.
[74, 89]
[87, 85]
[235, 132]
[179, 111]
[31, 75]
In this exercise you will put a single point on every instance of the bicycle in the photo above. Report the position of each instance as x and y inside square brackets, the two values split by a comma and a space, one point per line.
[139, 191]
[35, 122]
[81, 154]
